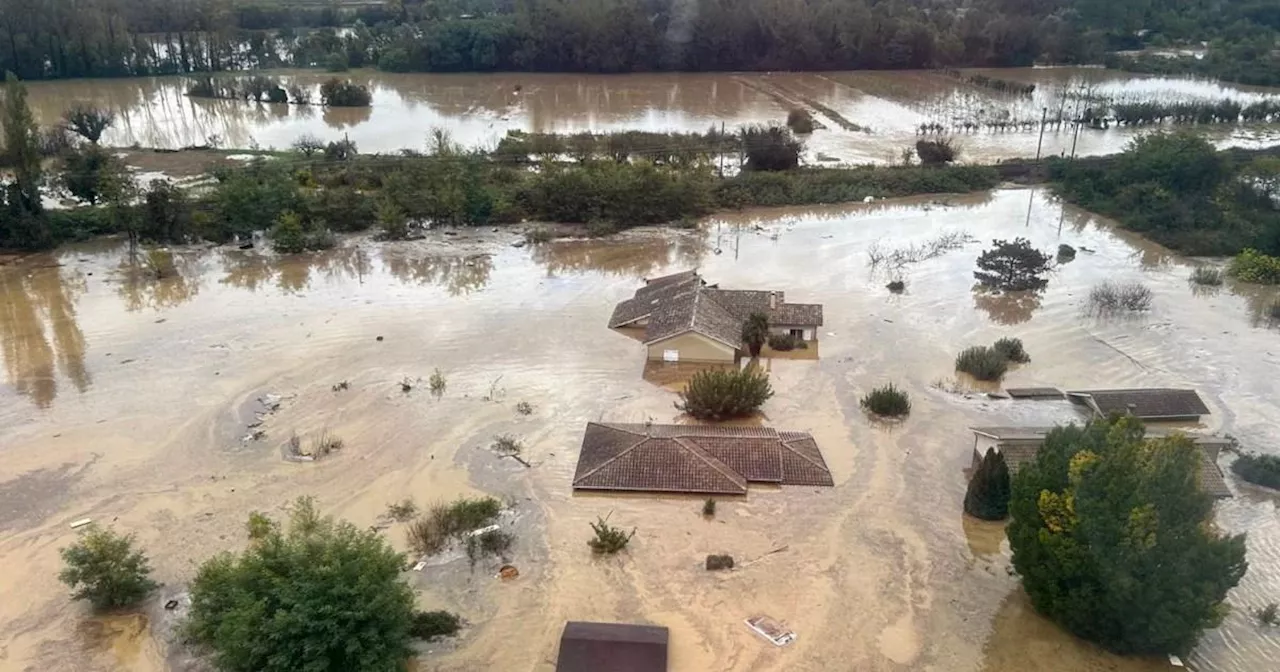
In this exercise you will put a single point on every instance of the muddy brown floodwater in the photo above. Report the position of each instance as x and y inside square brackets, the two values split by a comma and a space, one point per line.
[125, 400]
[867, 116]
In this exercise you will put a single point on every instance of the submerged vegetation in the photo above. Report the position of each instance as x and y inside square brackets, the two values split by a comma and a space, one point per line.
[1258, 469]
[608, 540]
[1112, 298]
[887, 401]
[432, 531]
[982, 363]
[1013, 266]
[1253, 266]
[987, 497]
[104, 568]
[1112, 589]
[1177, 190]
[720, 394]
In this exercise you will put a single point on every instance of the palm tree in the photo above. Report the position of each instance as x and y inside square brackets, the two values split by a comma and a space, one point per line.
[755, 332]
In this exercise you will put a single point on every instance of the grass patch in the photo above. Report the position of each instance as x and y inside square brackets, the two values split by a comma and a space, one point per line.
[982, 363]
[1012, 350]
[1207, 276]
[888, 401]
[1111, 298]
[432, 624]
[608, 539]
[1258, 469]
[432, 531]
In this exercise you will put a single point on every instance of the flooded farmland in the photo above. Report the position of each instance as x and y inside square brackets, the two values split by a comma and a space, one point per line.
[866, 116]
[126, 399]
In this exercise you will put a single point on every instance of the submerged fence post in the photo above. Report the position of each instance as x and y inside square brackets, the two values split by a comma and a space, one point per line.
[1044, 114]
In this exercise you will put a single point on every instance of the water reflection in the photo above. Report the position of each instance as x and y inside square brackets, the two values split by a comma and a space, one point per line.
[252, 270]
[158, 279]
[36, 306]
[1263, 302]
[458, 274]
[635, 255]
[1006, 308]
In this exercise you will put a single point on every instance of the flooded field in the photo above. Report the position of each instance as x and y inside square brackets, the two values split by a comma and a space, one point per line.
[126, 400]
[867, 116]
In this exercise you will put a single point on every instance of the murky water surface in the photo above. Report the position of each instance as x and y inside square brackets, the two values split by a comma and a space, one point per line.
[124, 399]
[868, 116]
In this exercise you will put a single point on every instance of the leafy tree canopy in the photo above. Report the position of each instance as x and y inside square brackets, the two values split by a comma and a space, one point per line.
[319, 596]
[104, 568]
[1113, 538]
[1013, 266]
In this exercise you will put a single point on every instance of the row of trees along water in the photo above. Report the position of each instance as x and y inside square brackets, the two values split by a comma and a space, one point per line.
[88, 38]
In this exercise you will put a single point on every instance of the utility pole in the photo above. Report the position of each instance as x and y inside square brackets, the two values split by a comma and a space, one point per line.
[721, 146]
[1044, 115]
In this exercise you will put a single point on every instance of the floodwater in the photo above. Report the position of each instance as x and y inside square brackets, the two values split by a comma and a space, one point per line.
[125, 400]
[868, 117]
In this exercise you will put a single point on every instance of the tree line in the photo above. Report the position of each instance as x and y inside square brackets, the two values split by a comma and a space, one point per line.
[102, 38]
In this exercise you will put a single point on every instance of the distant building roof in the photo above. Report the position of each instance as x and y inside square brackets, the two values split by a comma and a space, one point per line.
[1149, 403]
[615, 647]
[681, 302]
[702, 459]
[1020, 445]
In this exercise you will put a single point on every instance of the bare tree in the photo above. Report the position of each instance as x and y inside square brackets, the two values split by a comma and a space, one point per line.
[308, 144]
[88, 122]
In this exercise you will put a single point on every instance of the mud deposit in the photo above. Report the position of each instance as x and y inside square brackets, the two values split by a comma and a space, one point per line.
[126, 400]
[865, 116]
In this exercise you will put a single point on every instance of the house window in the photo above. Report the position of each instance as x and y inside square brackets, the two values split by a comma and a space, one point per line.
[797, 333]
[670, 355]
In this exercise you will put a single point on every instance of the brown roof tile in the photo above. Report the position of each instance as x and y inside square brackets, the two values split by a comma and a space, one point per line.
[1151, 403]
[704, 459]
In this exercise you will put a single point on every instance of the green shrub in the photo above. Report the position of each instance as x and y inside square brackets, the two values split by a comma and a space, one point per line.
[709, 507]
[897, 286]
[982, 363]
[104, 568]
[601, 228]
[722, 394]
[936, 152]
[755, 332]
[800, 120]
[507, 445]
[888, 401]
[402, 511]
[1206, 276]
[1253, 266]
[1012, 350]
[1066, 253]
[432, 624]
[437, 383]
[608, 540]
[987, 497]
[1012, 266]
[717, 562]
[538, 235]
[770, 148]
[1270, 614]
[260, 610]
[785, 342]
[338, 93]
[1258, 469]
[259, 526]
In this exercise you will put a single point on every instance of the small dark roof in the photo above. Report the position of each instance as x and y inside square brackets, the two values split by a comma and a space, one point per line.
[612, 647]
[695, 458]
[1150, 403]
[797, 315]
[1034, 393]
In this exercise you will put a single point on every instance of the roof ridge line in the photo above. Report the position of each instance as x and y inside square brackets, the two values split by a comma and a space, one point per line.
[602, 465]
[806, 458]
[711, 461]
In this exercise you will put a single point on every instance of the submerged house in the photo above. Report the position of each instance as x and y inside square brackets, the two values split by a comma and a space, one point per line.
[1020, 445]
[1152, 403]
[685, 319]
[612, 647]
[695, 459]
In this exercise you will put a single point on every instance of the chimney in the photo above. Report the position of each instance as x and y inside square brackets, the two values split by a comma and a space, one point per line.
[773, 300]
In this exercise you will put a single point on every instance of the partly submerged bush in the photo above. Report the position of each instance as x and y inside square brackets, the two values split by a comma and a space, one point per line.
[982, 362]
[1258, 469]
[897, 286]
[888, 401]
[432, 624]
[1013, 266]
[785, 342]
[337, 93]
[1207, 276]
[104, 568]
[608, 539]
[1254, 266]
[430, 532]
[721, 394]
[1012, 350]
[800, 120]
[770, 148]
[1110, 298]
[936, 152]
[1066, 253]
[709, 507]
[988, 495]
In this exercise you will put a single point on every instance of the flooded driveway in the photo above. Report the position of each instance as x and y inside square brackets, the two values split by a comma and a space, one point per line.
[126, 400]
[868, 116]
